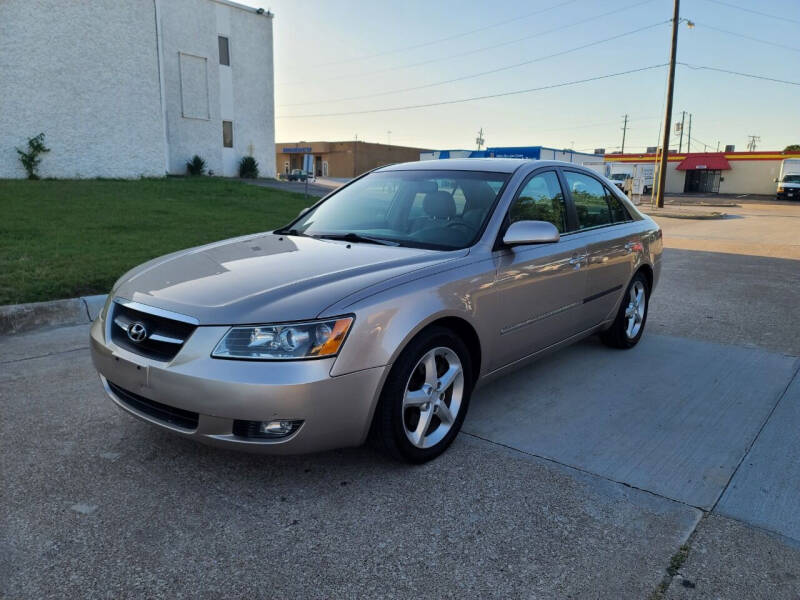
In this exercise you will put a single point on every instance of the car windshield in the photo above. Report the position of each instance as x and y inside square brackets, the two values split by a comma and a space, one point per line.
[443, 210]
[791, 179]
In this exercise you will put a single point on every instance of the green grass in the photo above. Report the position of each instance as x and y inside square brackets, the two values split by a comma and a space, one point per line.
[67, 238]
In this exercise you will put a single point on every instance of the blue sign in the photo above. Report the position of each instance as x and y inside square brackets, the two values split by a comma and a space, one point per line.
[301, 150]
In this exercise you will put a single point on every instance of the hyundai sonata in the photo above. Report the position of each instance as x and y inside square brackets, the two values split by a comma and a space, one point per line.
[376, 312]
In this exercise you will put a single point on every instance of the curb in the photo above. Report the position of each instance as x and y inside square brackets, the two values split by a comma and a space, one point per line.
[687, 215]
[20, 318]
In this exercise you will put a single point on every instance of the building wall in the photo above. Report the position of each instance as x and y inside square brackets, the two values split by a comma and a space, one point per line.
[253, 89]
[200, 92]
[750, 172]
[88, 75]
[85, 74]
[750, 177]
[347, 159]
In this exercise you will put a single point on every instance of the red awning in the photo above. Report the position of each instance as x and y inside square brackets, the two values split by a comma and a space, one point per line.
[712, 162]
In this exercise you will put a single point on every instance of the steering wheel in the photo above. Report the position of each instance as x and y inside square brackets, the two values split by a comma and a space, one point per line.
[462, 224]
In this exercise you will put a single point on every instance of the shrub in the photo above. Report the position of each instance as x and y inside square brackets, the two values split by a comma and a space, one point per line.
[196, 166]
[30, 159]
[248, 167]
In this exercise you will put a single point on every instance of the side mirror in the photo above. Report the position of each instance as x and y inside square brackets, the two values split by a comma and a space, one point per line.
[531, 232]
[303, 211]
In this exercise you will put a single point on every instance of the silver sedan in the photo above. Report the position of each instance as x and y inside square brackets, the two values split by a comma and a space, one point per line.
[376, 312]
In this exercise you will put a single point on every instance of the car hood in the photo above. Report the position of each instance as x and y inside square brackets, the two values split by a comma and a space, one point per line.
[267, 277]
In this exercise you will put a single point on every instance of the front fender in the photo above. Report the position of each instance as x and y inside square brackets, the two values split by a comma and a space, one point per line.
[385, 323]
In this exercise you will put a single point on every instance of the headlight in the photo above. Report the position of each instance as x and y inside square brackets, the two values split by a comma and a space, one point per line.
[289, 341]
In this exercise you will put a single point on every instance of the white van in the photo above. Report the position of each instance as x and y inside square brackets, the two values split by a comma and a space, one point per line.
[789, 180]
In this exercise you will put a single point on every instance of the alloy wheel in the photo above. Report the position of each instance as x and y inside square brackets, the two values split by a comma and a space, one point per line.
[433, 396]
[634, 313]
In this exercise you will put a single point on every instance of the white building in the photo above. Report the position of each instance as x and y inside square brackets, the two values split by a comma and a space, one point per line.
[136, 87]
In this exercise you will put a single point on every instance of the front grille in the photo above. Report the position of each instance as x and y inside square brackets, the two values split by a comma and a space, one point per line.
[163, 338]
[167, 414]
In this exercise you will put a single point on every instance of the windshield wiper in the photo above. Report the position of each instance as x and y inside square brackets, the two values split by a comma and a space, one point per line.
[356, 237]
[291, 232]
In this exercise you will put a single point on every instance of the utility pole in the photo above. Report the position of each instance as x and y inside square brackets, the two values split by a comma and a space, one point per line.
[662, 171]
[355, 157]
[689, 141]
[751, 145]
[624, 131]
[479, 140]
[717, 145]
[680, 142]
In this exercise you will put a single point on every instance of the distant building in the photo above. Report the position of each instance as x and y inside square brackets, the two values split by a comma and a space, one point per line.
[715, 172]
[531, 152]
[124, 89]
[340, 159]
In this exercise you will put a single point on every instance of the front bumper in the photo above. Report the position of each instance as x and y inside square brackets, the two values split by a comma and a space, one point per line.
[336, 411]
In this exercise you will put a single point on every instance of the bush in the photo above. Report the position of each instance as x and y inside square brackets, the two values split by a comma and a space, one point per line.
[30, 159]
[248, 167]
[196, 166]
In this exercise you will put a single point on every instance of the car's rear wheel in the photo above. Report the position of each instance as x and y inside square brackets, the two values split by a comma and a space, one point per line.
[425, 398]
[627, 329]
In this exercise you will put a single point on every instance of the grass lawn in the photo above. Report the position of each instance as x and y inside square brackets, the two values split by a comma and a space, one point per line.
[67, 238]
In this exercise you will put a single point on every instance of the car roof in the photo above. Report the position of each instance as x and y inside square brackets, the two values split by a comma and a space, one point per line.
[494, 165]
[489, 165]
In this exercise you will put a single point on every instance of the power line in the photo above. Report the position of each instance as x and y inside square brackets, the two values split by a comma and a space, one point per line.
[752, 76]
[448, 38]
[755, 12]
[748, 37]
[475, 50]
[481, 74]
[473, 98]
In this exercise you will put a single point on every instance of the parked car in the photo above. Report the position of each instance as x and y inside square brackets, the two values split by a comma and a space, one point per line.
[299, 175]
[377, 311]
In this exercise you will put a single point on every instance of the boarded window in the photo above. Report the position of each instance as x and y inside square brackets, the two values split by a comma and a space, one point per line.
[224, 51]
[194, 87]
[227, 134]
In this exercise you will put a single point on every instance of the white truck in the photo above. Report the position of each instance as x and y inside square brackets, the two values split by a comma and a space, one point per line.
[619, 172]
[646, 171]
[789, 180]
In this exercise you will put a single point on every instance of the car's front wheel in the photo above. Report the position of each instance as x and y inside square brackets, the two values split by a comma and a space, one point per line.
[425, 398]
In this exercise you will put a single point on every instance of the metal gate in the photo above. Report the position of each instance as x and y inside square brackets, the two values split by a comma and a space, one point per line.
[702, 181]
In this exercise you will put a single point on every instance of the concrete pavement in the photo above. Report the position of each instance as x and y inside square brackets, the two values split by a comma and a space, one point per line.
[582, 475]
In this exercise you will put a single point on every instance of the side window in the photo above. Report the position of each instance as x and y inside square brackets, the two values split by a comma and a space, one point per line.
[619, 213]
[541, 200]
[589, 197]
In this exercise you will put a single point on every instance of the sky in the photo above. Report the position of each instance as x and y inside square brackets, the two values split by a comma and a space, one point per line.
[329, 55]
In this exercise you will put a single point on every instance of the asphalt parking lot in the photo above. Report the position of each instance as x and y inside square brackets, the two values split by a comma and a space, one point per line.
[672, 470]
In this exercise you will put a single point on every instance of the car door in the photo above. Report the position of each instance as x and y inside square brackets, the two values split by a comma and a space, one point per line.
[607, 230]
[539, 287]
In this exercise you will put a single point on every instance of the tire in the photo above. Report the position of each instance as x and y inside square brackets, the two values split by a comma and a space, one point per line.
[410, 395]
[623, 333]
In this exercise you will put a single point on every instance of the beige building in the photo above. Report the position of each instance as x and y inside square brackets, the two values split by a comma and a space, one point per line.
[340, 159]
[715, 172]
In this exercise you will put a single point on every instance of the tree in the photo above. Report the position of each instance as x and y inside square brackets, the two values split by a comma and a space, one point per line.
[792, 148]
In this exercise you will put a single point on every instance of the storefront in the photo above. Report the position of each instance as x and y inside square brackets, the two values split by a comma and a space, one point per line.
[703, 172]
[714, 172]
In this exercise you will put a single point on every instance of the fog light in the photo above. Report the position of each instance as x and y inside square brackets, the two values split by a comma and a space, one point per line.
[278, 428]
